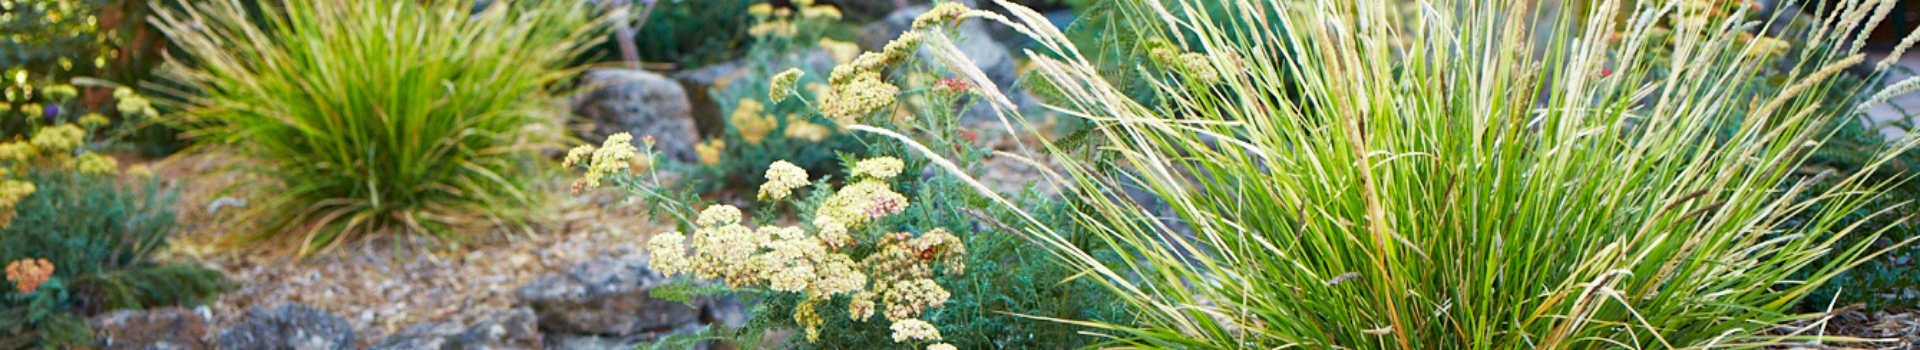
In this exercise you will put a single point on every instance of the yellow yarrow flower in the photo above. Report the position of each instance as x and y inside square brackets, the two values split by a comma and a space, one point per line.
[805, 130]
[781, 85]
[782, 179]
[861, 95]
[820, 11]
[710, 151]
[753, 125]
[93, 121]
[17, 151]
[944, 13]
[61, 138]
[878, 168]
[95, 164]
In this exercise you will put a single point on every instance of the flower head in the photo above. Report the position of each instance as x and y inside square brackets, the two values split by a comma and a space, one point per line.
[28, 274]
[709, 151]
[941, 346]
[95, 164]
[862, 94]
[751, 122]
[781, 85]
[782, 178]
[805, 130]
[820, 11]
[61, 138]
[944, 13]
[914, 329]
[16, 150]
[719, 215]
[62, 92]
[878, 168]
[93, 121]
[668, 253]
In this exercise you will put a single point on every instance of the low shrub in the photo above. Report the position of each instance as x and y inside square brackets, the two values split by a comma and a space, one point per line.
[374, 116]
[79, 239]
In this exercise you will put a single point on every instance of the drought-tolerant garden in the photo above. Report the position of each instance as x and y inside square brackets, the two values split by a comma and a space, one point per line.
[959, 174]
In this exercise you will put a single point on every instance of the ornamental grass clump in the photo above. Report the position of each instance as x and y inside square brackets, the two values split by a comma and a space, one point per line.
[1462, 178]
[376, 117]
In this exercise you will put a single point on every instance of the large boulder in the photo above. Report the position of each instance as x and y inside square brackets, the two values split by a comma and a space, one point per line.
[169, 328]
[644, 104]
[287, 327]
[977, 43]
[506, 330]
[605, 296]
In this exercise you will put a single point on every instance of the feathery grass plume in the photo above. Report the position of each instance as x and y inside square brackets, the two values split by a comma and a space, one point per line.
[376, 117]
[1463, 179]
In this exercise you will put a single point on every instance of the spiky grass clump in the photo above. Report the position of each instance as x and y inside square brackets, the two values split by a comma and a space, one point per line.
[1458, 174]
[378, 116]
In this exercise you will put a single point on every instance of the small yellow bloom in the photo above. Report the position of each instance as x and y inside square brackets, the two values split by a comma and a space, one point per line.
[93, 121]
[61, 138]
[95, 164]
[61, 92]
[842, 52]
[751, 123]
[944, 13]
[781, 85]
[878, 168]
[782, 178]
[805, 130]
[780, 28]
[821, 11]
[16, 150]
[709, 151]
[139, 171]
[760, 10]
[914, 329]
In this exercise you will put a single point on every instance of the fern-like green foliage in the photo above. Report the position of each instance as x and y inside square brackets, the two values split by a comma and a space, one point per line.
[101, 236]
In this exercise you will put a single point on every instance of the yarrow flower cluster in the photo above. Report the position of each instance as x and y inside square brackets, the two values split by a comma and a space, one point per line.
[750, 119]
[914, 329]
[617, 153]
[805, 130]
[782, 178]
[862, 94]
[781, 85]
[710, 151]
[897, 277]
[944, 13]
[59, 139]
[11, 191]
[95, 164]
[28, 274]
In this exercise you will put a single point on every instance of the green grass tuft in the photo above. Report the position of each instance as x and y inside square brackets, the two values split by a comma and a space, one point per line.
[378, 116]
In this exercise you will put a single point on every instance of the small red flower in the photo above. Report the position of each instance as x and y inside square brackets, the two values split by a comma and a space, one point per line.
[953, 85]
[970, 135]
[1606, 72]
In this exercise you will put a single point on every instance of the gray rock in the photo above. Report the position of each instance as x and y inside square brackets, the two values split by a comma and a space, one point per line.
[644, 104]
[169, 328]
[976, 41]
[512, 329]
[605, 296]
[287, 327]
